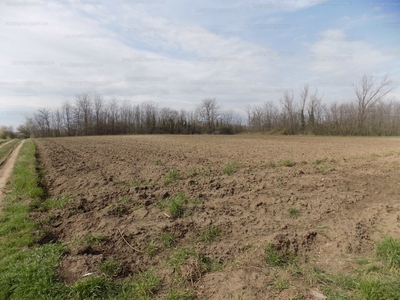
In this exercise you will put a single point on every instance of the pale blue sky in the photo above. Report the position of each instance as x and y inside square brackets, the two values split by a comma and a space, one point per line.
[176, 53]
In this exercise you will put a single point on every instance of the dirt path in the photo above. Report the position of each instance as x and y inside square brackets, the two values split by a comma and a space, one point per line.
[6, 169]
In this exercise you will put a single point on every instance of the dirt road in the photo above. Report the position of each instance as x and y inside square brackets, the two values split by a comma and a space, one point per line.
[6, 169]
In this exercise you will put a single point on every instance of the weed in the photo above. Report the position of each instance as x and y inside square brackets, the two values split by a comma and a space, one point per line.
[281, 284]
[391, 152]
[230, 168]
[294, 212]
[199, 263]
[93, 240]
[110, 267]
[288, 162]
[388, 249]
[118, 210]
[271, 164]
[323, 169]
[175, 207]
[168, 240]
[172, 176]
[179, 257]
[126, 200]
[319, 161]
[158, 162]
[247, 247]
[150, 249]
[162, 204]
[192, 172]
[135, 182]
[209, 234]
[278, 259]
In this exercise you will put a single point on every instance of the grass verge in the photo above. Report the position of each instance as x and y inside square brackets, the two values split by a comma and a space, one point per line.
[27, 270]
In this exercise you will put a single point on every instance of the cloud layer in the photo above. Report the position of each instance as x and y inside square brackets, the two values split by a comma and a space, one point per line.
[178, 53]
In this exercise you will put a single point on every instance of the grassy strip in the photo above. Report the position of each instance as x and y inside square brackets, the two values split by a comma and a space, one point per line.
[25, 273]
[6, 149]
[29, 270]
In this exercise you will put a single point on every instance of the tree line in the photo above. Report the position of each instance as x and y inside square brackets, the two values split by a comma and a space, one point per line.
[369, 114]
[90, 114]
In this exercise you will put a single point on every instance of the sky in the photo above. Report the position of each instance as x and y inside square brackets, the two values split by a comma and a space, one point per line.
[176, 53]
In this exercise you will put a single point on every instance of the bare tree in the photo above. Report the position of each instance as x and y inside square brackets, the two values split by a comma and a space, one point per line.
[369, 93]
[67, 115]
[113, 108]
[98, 104]
[208, 112]
[289, 117]
[42, 119]
[84, 106]
[56, 120]
[314, 110]
[303, 100]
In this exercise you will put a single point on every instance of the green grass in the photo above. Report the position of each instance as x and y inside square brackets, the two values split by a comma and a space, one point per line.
[150, 249]
[207, 235]
[51, 203]
[388, 250]
[93, 239]
[95, 287]
[281, 284]
[230, 168]
[180, 295]
[294, 212]
[176, 205]
[145, 285]
[172, 176]
[110, 267]
[179, 257]
[6, 149]
[277, 258]
[168, 239]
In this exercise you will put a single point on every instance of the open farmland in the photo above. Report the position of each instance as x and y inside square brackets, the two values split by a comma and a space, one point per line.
[200, 211]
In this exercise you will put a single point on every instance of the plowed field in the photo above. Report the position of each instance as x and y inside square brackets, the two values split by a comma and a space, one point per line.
[200, 210]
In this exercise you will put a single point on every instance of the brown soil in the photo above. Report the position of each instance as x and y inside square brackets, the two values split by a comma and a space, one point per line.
[347, 201]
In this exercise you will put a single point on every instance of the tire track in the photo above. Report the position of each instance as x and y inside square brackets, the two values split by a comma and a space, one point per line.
[7, 168]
